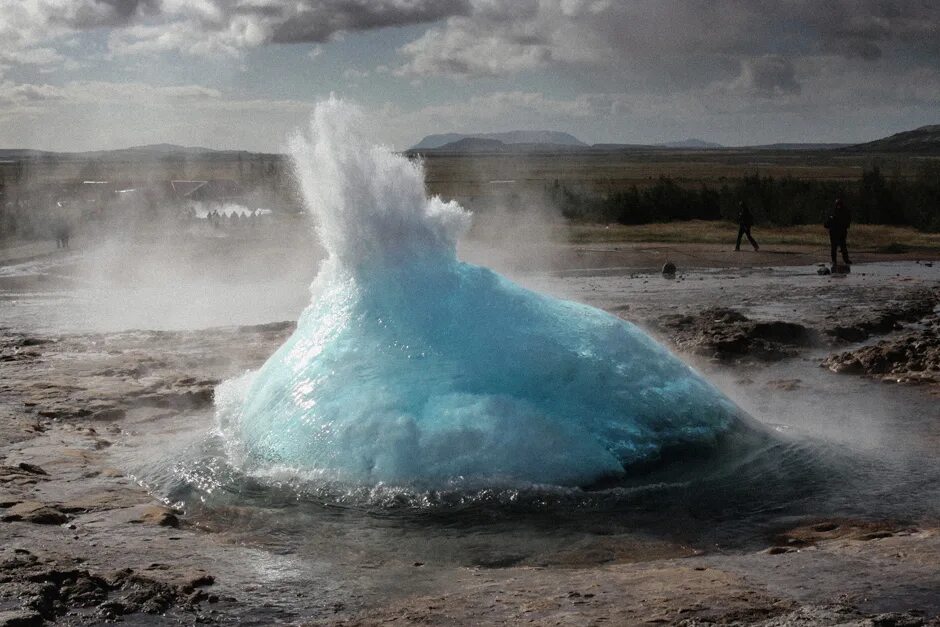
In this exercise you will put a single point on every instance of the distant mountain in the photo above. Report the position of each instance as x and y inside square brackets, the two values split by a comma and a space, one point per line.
[148, 152]
[478, 145]
[15, 154]
[511, 137]
[697, 144]
[163, 149]
[619, 147]
[925, 139]
[798, 146]
[472, 144]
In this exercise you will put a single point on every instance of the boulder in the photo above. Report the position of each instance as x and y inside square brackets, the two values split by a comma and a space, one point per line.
[36, 513]
[20, 618]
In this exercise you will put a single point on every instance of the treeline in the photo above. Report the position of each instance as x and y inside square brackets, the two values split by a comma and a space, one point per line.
[874, 199]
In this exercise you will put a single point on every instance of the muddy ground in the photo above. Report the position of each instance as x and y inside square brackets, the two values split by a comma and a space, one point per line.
[84, 542]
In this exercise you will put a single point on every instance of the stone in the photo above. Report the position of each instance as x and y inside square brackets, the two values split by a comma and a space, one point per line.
[36, 513]
[158, 515]
[32, 469]
[192, 579]
[20, 618]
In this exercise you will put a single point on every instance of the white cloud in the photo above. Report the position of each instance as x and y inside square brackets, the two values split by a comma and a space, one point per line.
[13, 94]
[354, 74]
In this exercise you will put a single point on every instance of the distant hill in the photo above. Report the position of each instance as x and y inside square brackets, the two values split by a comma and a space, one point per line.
[17, 154]
[511, 137]
[693, 143]
[925, 139]
[148, 152]
[472, 144]
[480, 145]
[798, 146]
[162, 149]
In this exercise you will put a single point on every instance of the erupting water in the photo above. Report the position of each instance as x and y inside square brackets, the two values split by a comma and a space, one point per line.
[412, 368]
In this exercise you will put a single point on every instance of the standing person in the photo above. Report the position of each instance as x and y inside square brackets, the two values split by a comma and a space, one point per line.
[838, 225]
[745, 222]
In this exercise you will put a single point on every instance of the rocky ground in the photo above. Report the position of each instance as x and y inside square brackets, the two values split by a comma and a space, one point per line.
[724, 334]
[84, 543]
[909, 357]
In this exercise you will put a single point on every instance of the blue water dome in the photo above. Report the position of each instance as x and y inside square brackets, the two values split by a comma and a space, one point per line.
[410, 367]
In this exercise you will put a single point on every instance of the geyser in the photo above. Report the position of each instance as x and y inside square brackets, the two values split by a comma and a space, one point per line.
[412, 368]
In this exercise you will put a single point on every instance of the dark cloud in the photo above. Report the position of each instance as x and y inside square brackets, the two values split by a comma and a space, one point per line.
[769, 75]
[318, 20]
[88, 14]
[868, 29]
[677, 41]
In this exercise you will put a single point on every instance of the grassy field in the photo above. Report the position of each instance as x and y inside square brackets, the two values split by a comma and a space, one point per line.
[869, 237]
[483, 175]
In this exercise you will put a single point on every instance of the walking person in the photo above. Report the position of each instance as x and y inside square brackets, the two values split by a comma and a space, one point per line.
[838, 225]
[745, 222]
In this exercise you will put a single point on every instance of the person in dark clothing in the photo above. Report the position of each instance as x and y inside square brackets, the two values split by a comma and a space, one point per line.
[745, 222]
[62, 233]
[838, 225]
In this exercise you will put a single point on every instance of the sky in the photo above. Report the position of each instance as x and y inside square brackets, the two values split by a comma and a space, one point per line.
[244, 74]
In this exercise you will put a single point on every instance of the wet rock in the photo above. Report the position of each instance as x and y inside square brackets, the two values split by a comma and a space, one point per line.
[49, 590]
[789, 333]
[63, 412]
[36, 513]
[111, 610]
[32, 469]
[875, 535]
[20, 476]
[816, 615]
[787, 385]
[32, 341]
[726, 334]
[147, 595]
[920, 305]
[912, 357]
[155, 515]
[811, 534]
[190, 580]
[109, 499]
[669, 269]
[109, 414]
[895, 619]
[198, 398]
[20, 618]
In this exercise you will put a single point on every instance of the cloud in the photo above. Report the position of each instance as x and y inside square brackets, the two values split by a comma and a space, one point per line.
[608, 65]
[668, 41]
[767, 76]
[12, 94]
[87, 14]
[227, 27]
[92, 115]
[353, 74]
[30, 28]
[503, 38]
[102, 94]
[671, 41]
